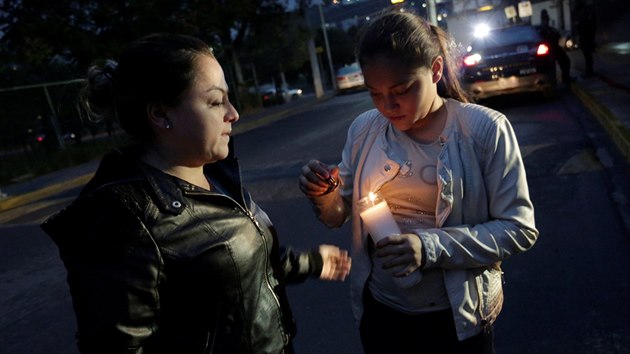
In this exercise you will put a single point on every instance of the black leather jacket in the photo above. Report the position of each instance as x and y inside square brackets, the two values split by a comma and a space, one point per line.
[157, 265]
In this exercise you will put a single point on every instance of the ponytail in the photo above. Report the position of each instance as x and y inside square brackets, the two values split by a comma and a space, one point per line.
[449, 86]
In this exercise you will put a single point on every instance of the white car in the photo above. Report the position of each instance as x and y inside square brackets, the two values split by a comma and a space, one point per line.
[349, 77]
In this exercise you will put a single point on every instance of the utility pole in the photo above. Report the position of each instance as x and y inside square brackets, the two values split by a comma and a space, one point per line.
[312, 54]
[432, 12]
[330, 63]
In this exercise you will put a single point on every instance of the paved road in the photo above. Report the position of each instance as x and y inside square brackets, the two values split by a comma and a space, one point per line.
[567, 294]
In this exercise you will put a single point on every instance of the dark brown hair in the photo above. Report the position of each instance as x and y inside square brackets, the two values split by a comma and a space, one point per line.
[157, 68]
[412, 41]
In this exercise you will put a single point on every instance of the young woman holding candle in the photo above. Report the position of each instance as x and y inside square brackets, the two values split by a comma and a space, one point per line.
[453, 176]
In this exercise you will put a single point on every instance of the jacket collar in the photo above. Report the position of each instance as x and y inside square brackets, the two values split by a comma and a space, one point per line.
[124, 165]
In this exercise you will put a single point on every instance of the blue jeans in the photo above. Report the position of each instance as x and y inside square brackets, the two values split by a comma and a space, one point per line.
[385, 330]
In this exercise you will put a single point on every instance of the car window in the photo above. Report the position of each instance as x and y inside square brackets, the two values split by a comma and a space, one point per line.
[349, 69]
[507, 37]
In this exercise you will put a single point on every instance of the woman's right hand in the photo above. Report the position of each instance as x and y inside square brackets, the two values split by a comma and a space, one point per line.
[336, 263]
[318, 178]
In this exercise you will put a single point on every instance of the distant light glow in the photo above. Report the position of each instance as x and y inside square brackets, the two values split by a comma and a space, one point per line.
[473, 59]
[481, 30]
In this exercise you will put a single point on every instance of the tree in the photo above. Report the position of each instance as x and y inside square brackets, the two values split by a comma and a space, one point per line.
[341, 45]
[75, 33]
[277, 43]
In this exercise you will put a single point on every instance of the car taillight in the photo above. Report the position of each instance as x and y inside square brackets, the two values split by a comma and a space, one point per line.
[471, 60]
[542, 50]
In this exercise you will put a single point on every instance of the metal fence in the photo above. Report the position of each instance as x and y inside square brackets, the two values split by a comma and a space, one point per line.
[42, 115]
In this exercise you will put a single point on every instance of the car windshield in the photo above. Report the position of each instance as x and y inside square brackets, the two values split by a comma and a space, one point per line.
[506, 37]
[349, 69]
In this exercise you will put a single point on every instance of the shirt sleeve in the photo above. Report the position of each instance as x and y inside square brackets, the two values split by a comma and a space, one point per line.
[509, 227]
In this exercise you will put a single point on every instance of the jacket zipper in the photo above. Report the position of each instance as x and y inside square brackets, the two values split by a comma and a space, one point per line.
[267, 281]
[251, 216]
[262, 235]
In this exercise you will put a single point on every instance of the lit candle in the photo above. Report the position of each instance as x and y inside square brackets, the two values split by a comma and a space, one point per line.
[377, 217]
[380, 223]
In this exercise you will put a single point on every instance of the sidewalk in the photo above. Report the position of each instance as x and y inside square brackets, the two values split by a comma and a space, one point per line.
[607, 93]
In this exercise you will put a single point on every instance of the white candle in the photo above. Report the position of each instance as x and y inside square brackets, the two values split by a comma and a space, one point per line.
[380, 223]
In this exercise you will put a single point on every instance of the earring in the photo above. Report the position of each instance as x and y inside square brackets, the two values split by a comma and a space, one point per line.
[168, 124]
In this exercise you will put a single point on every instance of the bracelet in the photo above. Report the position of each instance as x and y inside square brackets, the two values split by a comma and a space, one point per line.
[333, 183]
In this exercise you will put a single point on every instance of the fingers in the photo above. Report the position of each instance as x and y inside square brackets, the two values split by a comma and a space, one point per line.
[317, 178]
[389, 240]
[400, 254]
[337, 263]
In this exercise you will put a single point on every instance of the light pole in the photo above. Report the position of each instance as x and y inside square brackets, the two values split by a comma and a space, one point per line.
[432, 12]
[325, 32]
[310, 43]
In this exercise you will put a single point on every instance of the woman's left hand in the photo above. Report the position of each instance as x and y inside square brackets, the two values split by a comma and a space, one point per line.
[402, 254]
[336, 263]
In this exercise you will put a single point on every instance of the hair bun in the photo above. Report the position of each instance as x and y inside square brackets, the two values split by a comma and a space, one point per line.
[98, 96]
[102, 76]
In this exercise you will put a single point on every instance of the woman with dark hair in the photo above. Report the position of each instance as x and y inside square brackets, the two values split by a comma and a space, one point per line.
[454, 179]
[165, 250]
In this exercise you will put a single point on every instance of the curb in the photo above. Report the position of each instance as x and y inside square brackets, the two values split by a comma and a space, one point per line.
[22, 199]
[618, 133]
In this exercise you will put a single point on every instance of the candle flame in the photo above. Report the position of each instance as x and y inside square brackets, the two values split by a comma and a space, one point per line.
[372, 197]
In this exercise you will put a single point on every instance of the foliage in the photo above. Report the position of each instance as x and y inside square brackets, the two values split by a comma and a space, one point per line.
[74, 33]
[341, 45]
[44, 41]
[278, 43]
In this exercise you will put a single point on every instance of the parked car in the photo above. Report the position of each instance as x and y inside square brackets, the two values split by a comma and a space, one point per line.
[349, 77]
[509, 60]
[295, 93]
[270, 95]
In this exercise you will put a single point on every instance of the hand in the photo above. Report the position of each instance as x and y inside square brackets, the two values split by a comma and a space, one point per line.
[402, 254]
[336, 263]
[314, 179]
